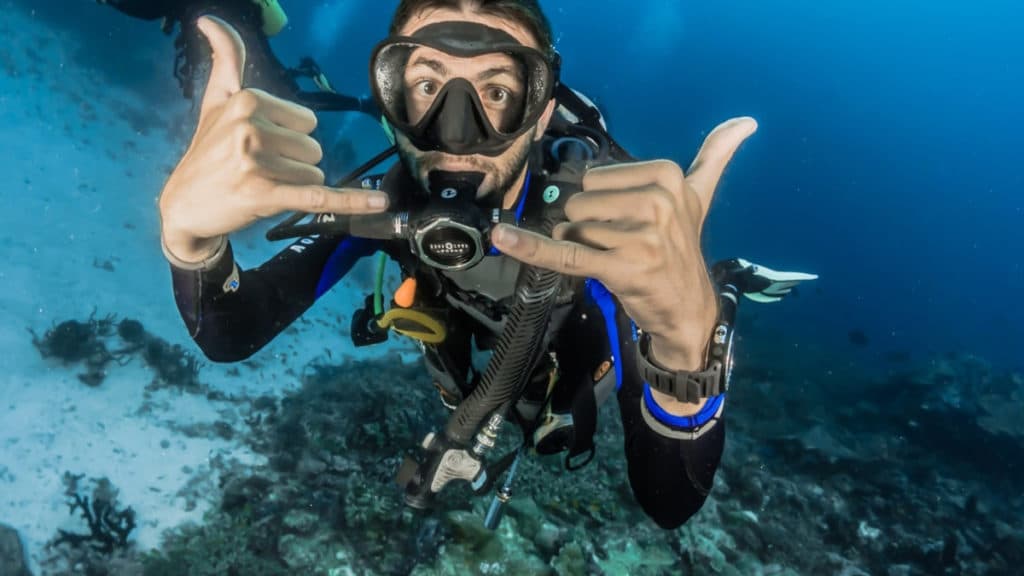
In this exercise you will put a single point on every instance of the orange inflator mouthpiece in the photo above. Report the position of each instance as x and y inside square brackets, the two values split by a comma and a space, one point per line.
[406, 293]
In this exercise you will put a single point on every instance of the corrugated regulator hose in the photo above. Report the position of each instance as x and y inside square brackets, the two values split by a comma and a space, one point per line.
[516, 352]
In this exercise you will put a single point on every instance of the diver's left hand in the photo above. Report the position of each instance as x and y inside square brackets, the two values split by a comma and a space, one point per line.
[636, 228]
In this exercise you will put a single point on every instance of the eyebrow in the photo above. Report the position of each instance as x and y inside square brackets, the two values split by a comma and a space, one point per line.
[497, 71]
[440, 68]
[434, 65]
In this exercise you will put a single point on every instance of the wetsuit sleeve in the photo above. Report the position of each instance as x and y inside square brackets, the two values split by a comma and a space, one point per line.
[232, 313]
[671, 460]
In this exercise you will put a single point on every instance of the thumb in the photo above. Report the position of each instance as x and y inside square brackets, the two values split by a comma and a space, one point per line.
[716, 153]
[228, 52]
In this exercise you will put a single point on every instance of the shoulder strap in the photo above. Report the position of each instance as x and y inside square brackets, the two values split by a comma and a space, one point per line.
[589, 117]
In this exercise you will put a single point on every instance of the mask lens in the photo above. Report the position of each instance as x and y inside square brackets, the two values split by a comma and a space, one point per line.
[509, 86]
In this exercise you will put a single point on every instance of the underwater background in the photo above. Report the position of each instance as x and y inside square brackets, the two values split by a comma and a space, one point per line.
[875, 423]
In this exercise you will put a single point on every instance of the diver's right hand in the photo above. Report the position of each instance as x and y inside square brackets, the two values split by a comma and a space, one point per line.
[251, 157]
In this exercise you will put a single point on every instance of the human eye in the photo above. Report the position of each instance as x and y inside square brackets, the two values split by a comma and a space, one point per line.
[497, 95]
[425, 88]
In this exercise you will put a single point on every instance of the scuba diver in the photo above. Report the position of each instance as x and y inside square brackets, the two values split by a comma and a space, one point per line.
[522, 230]
[255, 21]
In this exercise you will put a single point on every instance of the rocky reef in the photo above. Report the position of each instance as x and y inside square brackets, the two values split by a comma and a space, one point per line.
[913, 474]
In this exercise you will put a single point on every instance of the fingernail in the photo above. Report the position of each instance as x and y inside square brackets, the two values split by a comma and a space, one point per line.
[377, 201]
[507, 237]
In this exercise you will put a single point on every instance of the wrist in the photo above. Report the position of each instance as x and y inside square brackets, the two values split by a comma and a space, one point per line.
[192, 253]
[685, 372]
[683, 344]
[677, 358]
[684, 353]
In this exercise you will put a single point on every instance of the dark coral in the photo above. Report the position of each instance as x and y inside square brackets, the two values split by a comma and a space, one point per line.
[72, 341]
[131, 331]
[109, 526]
[173, 364]
[86, 342]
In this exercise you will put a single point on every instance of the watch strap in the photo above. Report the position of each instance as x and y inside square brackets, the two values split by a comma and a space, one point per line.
[685, 386]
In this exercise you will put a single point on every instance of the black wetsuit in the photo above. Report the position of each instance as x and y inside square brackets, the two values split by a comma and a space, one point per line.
[233, 313]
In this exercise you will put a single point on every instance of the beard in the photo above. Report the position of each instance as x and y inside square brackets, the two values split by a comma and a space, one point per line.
[500, 172]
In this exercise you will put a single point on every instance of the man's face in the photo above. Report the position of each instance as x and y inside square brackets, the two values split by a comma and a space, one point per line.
[499, 84]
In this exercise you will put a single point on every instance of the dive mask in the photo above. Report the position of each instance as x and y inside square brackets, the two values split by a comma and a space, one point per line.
[461, 87]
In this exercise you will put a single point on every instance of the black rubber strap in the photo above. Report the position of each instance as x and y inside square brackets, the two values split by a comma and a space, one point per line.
[685, 386]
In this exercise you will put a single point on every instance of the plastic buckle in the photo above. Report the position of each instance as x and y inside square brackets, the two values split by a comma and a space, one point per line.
[365, 330]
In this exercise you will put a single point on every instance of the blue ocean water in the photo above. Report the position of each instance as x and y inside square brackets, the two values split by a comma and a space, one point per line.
[886, 162]
[885, 158]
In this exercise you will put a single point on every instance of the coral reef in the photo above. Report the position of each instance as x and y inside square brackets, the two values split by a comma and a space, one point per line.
[108, 525]
[224, 544]
[73, 341]
[845, 484]
[105, 544]
[88, 342]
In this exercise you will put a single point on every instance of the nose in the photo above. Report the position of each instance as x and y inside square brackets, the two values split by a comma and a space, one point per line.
[459, 125]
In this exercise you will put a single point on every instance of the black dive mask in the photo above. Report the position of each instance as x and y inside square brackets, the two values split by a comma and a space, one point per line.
[461, 87]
